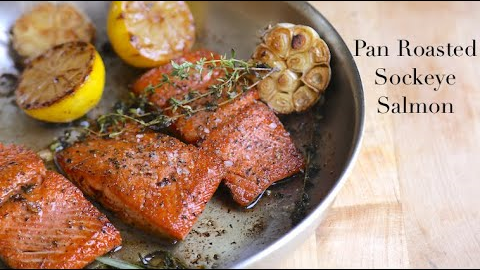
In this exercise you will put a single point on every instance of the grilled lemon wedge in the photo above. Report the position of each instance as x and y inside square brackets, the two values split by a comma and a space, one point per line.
[302, 59]
[150, 33]
[47, 25]
[62, 84]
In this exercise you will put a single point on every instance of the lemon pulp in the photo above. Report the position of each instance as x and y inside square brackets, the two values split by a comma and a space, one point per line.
[150, 33]
[62, 84]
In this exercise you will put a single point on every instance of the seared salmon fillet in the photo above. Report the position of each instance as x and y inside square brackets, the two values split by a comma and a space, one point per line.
[224, 115]
[19, 168]
[255, 148]
[53, 226]
[150, 180]
[237, 132]
[188, 128]
[45, 222]
[178, 88]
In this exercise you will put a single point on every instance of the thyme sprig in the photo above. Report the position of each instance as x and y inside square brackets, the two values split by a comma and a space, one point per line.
[139, 109]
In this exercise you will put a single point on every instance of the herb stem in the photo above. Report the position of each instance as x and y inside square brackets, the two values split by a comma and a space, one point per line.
[183, 102]
[272, 70]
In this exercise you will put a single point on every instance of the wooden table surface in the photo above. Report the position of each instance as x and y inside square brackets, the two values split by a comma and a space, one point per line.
[413, 198]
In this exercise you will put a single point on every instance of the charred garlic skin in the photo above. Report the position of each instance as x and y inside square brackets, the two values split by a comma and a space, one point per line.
[302, 59]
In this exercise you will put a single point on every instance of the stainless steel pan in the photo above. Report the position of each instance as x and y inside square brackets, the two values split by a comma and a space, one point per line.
[226, 235]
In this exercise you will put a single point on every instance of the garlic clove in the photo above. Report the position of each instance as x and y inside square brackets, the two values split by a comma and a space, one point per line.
[264, 55]
[287, 82]
[278, 40]
[267, 88]
[318, 78]
[303, 38]
[300, 62]
[320, 52]
[282, 103]
[304, 98]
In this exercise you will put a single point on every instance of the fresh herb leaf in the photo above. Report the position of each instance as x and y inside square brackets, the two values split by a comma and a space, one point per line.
[118, 263]
[161, 260]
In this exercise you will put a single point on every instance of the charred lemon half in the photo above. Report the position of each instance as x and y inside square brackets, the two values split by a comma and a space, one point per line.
[62, 84]
[49, 24]
[150, 33]
[302, 59]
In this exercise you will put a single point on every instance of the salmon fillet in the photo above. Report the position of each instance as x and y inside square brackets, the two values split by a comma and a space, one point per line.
[224, 115]
[19, 168]
[228, 129]
[178, 88]
[49, 224]
[196, 128]
[150, 180]
[255, 148]
[188, 128]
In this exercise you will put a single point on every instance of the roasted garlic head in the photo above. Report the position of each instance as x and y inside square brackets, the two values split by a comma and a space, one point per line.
[302, 61]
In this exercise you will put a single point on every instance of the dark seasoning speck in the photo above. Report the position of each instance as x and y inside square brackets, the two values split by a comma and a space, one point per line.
[8, 83]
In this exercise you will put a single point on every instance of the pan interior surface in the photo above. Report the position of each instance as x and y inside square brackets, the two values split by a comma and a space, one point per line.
[225, 235]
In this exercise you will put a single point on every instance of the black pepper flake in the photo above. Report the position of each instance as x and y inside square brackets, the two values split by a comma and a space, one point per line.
[33, 207]
[165, 182]
[197, 259]
[114, 162]
[28, 188]
[18, 198]
[220, 233]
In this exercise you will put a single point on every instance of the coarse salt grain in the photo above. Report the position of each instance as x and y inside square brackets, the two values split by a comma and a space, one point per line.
[228, 163]
[272, 126]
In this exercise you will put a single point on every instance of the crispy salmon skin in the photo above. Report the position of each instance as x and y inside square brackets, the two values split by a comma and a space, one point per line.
[45, 222]
[150, 180]
[255, 148]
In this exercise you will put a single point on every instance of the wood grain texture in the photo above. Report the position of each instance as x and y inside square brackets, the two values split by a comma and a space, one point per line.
[412, 199]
